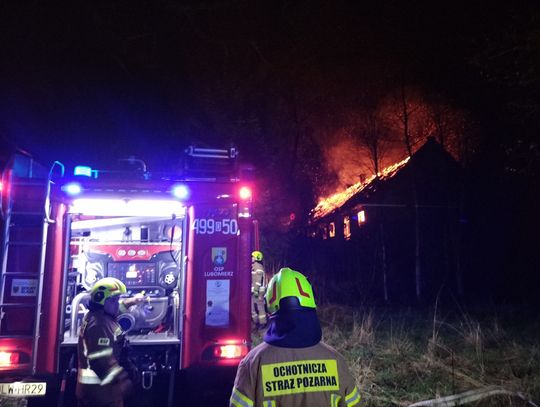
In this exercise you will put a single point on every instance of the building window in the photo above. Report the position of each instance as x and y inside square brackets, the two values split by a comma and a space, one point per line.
[361, 217]
[347, 227]
[332, 229]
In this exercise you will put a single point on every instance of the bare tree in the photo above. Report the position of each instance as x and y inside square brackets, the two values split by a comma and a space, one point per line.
[413, 117]
[407, 117]
[368, 129]
[406, 113]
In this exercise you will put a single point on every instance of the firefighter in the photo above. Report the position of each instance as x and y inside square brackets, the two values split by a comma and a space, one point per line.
[101, 381]
[258, 289]
[292, 367]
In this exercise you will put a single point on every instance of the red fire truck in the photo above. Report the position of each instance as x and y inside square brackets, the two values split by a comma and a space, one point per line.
[183, 240]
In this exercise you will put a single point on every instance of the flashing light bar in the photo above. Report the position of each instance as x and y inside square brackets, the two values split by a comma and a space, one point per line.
[83, 170]
[72, 189]
[122, 207]
[245, 193]
[181, 191]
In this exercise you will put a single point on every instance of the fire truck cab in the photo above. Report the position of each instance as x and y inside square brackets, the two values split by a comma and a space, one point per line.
[180, 241]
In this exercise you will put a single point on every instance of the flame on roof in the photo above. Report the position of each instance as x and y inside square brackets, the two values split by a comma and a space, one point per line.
[329, 204]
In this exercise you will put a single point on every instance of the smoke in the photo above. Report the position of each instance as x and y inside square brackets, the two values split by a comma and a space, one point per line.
[349, 162]
[373, 138]
[345, 159]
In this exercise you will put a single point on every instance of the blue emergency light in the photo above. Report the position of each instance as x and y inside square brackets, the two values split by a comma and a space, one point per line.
[72, 189]
[83, 170]
[180, 191]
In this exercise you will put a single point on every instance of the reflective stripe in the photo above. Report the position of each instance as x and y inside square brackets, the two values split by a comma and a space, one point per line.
[353, 398]
[88, 376]
[240, 400]
[117, 332]
[100, 354]
[113, 372]
[334, 400]
[269, 403]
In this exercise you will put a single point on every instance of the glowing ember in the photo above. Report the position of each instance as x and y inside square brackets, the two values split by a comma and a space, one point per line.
[329, 204]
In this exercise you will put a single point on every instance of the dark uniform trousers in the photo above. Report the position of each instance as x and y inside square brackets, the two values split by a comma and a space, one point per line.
[101, 381]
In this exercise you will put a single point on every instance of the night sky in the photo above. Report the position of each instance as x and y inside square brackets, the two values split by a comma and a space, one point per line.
[92, 81]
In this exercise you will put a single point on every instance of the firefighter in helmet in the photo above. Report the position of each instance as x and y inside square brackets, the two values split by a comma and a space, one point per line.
[101, 381]
[258, 289]
[292, 367]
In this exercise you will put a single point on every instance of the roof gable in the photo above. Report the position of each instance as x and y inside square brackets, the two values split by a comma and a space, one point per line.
[426, 159]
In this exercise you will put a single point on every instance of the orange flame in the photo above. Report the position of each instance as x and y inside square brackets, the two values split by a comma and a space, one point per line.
[332, 202]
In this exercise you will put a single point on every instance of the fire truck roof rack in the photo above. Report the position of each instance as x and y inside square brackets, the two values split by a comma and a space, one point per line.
[229, 153]
[210, 163]
[124, 168]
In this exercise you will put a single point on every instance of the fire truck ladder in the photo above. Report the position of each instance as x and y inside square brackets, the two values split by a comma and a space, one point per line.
[26, 220]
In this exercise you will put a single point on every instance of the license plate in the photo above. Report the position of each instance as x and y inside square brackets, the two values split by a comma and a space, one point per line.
[21, 389]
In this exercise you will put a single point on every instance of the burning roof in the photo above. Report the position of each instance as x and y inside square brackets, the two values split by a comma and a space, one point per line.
[329, 204]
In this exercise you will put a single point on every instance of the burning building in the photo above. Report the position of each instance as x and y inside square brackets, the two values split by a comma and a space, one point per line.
[395, 237]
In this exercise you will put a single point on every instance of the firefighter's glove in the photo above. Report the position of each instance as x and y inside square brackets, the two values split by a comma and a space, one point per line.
[137, 299]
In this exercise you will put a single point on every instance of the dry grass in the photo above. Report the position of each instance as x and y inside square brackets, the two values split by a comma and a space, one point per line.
[401, 357]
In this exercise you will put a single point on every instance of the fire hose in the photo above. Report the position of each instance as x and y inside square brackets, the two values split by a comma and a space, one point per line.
[471, 396]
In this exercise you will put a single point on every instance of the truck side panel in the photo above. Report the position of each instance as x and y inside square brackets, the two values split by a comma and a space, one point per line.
[217, 289]
[52, 298]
